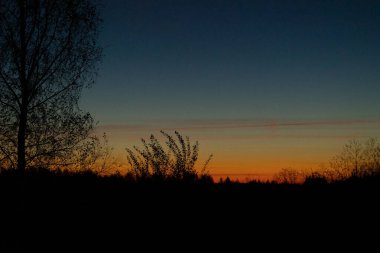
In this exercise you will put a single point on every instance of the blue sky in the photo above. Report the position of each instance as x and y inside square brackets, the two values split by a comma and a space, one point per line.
[212, 61]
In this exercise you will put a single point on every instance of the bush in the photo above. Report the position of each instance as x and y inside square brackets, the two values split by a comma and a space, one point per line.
[176, 161]
[288, 176]
[357, 160]
[315, 178]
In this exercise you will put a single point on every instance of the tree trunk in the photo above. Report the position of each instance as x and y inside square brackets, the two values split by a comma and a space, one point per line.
[21, 161]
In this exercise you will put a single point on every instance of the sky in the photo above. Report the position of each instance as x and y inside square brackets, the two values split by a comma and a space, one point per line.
[262, 85]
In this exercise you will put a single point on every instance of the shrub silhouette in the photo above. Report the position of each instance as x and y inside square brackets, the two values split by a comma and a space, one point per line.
[357, 160]
[176, 161]
[288, 176]
[315, 178]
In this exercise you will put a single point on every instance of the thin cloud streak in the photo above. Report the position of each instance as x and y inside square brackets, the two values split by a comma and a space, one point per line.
[210, 125]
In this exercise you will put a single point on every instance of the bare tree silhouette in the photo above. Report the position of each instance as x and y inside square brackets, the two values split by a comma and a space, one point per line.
[357, 159]
[288, 176]
[48, 53]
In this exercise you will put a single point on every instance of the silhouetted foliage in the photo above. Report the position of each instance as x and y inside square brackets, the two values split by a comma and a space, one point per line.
[288, 176]
[315, 178]
[176, 161]
[357, 159]
[48, 53]
[64, 211]
[95, 155]
[57, 201]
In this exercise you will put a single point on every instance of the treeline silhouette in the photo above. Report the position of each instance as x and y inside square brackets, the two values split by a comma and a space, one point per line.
[164, 196]
[62, 211]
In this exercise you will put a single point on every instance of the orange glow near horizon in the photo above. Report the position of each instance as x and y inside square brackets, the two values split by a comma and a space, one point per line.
[255, 150]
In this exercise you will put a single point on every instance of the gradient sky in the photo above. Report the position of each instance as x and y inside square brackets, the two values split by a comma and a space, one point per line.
[262, 85]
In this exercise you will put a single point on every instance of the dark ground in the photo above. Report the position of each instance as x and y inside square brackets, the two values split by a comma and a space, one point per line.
[48, 212]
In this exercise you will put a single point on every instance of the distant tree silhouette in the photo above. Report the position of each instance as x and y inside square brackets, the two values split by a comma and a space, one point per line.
[350, 161]
[357, 159]
[48, 53]
[176, 161]
[288, 176]
[315, 178]
[372, 155]
[94, 154]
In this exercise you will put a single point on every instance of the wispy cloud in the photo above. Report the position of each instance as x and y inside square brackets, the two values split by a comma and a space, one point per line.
[219, 124]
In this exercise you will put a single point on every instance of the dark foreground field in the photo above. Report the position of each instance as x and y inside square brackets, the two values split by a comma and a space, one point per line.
[50, 212]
